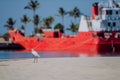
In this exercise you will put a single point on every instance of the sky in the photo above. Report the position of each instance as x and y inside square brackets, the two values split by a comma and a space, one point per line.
[15, 9]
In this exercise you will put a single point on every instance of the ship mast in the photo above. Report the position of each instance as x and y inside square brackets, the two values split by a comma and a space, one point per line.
[112, 4]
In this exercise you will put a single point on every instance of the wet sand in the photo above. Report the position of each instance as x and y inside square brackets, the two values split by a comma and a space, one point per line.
[90, 68]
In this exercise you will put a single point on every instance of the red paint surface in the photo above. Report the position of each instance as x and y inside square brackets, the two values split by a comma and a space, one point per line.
[83, 43]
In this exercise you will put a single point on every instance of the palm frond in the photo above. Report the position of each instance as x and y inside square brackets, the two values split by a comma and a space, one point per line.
[27, 7]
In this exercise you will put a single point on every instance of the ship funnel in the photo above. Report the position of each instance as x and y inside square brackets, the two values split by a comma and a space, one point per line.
[95, 10]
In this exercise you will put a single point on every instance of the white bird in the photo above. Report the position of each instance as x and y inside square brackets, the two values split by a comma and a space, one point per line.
[35, 55]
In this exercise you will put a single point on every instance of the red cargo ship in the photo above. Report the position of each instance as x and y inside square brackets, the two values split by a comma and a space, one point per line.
[98, 35]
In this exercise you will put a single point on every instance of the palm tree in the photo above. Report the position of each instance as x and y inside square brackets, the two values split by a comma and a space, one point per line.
[75, 13]
[62, 13]
[33, 5]
[51, 20]
[48, 22]
[73, 28]
[25, 20]
[10, 23]
[36, 22]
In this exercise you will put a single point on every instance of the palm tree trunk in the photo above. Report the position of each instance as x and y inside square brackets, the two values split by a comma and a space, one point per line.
[75, 20]
[25, 30]
[33, 18]
[63, 23]
[34, 12]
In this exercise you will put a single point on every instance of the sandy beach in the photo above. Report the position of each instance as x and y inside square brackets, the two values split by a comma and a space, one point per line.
[90, 68]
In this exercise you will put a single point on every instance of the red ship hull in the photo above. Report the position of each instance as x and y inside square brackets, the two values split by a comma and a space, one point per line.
[84, 43]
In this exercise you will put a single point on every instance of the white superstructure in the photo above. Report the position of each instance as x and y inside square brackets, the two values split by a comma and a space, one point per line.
[104, 18]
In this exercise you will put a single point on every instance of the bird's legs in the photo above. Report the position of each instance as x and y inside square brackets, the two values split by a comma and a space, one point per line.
[35, 59]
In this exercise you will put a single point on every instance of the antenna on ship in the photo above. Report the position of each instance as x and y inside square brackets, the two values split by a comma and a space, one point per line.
[112, 4]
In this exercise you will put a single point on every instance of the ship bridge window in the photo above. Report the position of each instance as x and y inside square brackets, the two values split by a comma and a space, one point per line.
[109, 24]
[117, 12]
[109, 12]
[114, 24]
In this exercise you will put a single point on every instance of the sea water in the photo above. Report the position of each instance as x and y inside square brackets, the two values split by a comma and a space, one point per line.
[20, 55]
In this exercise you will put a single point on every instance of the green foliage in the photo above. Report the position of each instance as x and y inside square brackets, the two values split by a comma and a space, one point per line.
[62, 12]
[73, 27]
[10, 22]
[60, 27]
[33, 5]
[25, 19]
[75, 12]
[36, 20]
[48, 22]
